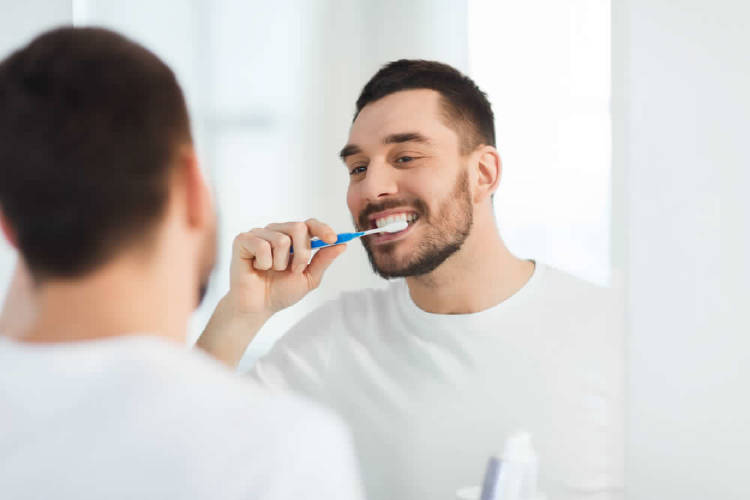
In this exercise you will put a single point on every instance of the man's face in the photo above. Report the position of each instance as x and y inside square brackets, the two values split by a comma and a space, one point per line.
[405, 163]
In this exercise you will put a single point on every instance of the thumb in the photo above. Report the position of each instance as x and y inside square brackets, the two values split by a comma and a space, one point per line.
[320, 263]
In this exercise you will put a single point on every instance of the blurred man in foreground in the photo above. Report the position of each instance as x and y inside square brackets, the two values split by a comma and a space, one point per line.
[434, 372]
[102, 195]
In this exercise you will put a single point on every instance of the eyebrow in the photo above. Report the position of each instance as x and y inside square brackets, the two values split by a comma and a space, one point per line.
[348, 150]
[353, 149]
[406, 137]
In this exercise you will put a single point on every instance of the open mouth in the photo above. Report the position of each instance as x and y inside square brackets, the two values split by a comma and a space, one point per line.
[381, 220]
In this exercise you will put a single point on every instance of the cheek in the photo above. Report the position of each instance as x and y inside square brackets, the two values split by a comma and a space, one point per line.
[426, 186]
[353, 200]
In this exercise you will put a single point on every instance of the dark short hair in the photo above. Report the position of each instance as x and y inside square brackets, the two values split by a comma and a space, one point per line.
[466, 107]
[89, 125]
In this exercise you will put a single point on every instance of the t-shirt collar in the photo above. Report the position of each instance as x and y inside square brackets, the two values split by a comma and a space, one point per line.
[477, 321]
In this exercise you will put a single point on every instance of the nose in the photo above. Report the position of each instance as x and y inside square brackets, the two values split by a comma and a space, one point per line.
[380, 181]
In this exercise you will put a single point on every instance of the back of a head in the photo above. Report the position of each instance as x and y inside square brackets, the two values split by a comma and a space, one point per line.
[465, 107]
[90, 122]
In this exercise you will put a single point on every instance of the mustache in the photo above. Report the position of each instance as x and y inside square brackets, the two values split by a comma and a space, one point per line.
[418, 205]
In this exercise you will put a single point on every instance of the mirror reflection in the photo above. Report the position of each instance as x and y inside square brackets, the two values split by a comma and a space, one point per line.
[379, 250]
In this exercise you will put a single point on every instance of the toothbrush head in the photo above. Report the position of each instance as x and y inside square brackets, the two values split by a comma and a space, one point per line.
[395, 227]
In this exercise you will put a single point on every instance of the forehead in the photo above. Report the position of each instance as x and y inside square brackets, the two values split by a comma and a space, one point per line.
[419, 111]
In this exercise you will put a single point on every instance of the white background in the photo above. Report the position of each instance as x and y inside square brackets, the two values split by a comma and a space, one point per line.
[659, 208]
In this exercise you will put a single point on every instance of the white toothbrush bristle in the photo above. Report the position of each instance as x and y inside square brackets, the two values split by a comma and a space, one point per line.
[395, 227]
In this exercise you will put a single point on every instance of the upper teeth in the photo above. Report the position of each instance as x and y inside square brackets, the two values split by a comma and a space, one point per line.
[384, 221]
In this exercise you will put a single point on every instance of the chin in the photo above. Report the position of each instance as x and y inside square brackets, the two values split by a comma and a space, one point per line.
[391, 267]
[392, 258]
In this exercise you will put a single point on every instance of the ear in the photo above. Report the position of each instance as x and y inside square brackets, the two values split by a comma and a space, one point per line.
[489, 171]
[197, 194]
[8, 231]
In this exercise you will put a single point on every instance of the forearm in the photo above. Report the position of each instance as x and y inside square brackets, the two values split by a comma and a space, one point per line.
[228, 333]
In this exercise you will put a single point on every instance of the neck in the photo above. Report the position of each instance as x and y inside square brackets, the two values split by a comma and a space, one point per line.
[482, 274]
[123, 297]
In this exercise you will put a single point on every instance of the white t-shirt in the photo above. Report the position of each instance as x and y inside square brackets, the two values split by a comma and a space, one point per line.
[138, 417]
[430, 397]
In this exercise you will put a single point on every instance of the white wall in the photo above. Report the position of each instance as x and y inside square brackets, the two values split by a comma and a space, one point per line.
[682, 116]
[20, 22]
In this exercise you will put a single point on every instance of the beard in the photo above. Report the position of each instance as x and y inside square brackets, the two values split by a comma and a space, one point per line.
[445, 232]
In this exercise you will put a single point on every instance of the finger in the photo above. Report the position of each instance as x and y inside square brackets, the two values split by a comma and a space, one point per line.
[300, 235]
[322, 260]
[280, 244]
[255, 250]
[321, 230]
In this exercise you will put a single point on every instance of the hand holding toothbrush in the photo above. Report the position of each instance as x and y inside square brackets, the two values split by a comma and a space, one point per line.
[263, 279]
[266, 276]
[271, 267]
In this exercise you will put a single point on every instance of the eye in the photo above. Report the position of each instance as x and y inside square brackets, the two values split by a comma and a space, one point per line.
[360, 169]
[404, 159]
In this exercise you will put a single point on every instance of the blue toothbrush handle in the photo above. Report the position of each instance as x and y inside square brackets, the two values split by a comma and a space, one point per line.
[341, 238]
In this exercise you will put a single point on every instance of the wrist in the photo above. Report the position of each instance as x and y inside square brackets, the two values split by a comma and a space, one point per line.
[234, 310]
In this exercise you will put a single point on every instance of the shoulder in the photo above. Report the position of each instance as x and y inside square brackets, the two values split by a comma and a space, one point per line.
[559, 287]
[215, 408]
[587, 323]
[178, 378]
[275, 440]
[585, 309]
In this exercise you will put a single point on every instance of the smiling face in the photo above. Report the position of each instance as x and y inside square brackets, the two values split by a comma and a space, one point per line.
[405, 163]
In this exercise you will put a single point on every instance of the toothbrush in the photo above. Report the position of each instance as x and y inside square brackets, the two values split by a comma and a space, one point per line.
[393, 227]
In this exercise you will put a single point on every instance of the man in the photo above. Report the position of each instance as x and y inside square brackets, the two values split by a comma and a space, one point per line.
[102, 195]
[435, 371]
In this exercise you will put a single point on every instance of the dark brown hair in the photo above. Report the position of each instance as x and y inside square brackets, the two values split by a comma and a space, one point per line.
[89, 125]
[466, 107]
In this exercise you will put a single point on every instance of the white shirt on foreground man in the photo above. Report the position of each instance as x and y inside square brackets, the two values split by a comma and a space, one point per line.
[140, 417]
[102, 195]
[434, 372]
